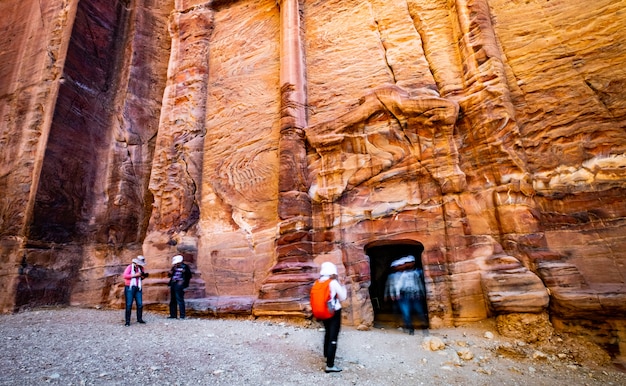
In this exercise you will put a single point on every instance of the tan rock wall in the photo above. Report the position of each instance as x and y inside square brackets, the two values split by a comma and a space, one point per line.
[241, 185]
[486, 134]
[566, 74]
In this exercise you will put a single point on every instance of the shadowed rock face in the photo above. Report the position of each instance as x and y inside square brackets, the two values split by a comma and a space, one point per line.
[79, 136]
[262, 139]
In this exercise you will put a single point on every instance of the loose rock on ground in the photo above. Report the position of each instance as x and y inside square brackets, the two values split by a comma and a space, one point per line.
[78, 346]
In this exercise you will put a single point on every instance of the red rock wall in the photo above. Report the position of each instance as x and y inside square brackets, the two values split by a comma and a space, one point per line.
[31, 62]
[83, 96]
[488, 135]
[566, 80]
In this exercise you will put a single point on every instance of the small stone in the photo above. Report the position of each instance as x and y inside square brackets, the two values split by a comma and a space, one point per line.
[433, 343]
[465, 354]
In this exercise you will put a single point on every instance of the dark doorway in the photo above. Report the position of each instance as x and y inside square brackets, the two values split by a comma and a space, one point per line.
[381, 255]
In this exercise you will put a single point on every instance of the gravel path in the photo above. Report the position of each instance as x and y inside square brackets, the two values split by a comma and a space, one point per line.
[77, 346]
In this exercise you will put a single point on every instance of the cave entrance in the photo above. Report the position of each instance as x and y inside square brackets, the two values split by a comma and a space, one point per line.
[381, 255]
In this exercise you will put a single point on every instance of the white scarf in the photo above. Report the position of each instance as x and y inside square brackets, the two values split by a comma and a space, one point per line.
[135, 281]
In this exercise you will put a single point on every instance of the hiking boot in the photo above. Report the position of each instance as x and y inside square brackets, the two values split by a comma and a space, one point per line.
[333, 369]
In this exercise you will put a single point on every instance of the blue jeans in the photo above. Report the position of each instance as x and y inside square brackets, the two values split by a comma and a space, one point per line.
[408, 306]
[133, 294]
[177, 300]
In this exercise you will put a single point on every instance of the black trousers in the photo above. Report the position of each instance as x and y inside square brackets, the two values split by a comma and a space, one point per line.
[331, 334]
[177, 301]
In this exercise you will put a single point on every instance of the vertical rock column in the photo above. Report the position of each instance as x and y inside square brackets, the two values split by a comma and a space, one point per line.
[490, 117]
[488, 109]
[177, 166]
[286, 289]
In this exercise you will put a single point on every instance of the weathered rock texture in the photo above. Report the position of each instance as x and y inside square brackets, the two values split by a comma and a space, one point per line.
[261, 138]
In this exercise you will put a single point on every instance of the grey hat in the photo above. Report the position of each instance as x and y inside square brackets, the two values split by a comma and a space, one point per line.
[140, 260]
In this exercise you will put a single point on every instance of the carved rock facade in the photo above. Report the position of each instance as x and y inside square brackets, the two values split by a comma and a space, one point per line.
[261, 138]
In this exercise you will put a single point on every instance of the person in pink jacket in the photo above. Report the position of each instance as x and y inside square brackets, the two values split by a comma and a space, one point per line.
[133, 277]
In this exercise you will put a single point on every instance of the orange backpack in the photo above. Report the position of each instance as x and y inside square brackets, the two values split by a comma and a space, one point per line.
[321, 305]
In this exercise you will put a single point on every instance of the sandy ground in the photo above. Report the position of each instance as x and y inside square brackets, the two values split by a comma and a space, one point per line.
[75, 346]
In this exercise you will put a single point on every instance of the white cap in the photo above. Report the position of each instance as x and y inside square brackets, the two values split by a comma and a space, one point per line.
[328, 269]
[177, 259]
[404, 260]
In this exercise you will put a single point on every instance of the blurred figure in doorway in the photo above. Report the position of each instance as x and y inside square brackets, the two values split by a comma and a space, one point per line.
[405, 287]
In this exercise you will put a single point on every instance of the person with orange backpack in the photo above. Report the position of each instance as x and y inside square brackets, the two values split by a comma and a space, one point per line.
[326, 297]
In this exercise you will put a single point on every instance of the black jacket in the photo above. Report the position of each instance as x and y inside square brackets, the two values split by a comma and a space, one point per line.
[186, 274]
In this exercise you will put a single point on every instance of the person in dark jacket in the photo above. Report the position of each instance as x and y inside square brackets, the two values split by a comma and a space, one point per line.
[179, 275]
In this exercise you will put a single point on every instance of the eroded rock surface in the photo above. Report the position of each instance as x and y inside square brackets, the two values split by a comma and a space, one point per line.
[261, 138]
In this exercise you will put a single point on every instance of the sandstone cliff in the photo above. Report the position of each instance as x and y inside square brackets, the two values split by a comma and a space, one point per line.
[261, 138]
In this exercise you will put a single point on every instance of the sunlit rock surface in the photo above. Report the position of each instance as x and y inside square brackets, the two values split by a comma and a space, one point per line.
[261, 138]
